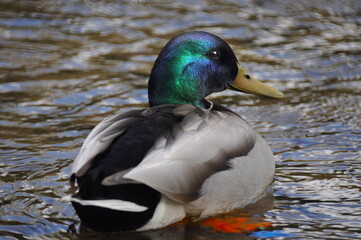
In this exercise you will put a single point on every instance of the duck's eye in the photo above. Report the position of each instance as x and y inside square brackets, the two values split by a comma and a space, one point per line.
[213, 54]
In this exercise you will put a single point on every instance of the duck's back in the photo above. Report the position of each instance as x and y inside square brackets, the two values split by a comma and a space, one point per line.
[117, 145]
[134, 165]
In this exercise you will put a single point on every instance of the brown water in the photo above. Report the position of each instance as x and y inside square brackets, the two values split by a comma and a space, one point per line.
[65, 65]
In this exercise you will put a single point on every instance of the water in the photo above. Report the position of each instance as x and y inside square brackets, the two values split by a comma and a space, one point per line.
[65, 65]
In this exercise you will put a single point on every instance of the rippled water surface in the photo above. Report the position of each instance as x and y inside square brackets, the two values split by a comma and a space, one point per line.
[65, 65]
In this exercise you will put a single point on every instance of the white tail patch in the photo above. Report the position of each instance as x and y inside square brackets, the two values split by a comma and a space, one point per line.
[113, 204]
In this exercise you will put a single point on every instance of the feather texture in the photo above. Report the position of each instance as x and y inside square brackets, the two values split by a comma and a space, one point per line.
[194, 147]
[200, 145]
[101, 137]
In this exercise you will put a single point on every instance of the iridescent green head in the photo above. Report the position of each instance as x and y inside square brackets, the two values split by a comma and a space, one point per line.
[192, 66]
[189, 68]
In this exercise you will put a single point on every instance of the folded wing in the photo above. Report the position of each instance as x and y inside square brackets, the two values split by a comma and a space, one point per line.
[180, 160]
[101, 137]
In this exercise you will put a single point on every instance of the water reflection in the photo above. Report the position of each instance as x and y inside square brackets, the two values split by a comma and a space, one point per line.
[65, 65]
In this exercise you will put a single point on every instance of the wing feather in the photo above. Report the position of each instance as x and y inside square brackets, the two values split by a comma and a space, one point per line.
[101, 137]
[202, 144]
[196, 146]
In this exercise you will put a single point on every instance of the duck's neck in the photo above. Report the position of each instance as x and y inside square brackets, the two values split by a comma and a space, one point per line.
[165, 87]
[155, 100]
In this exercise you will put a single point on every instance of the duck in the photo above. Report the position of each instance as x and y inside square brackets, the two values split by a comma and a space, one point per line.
[184, 155]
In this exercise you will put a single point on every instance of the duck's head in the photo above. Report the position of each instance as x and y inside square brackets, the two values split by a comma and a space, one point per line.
[193, 65]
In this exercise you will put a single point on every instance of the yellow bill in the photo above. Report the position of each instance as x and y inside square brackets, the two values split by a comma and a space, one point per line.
[246, 83]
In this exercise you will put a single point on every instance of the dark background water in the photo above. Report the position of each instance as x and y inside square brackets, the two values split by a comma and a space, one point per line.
[65, 65]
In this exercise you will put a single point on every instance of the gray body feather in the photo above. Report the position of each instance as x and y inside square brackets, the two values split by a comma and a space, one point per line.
[180, 160]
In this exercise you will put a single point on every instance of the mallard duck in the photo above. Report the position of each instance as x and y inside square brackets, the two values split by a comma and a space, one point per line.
[184, 155]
